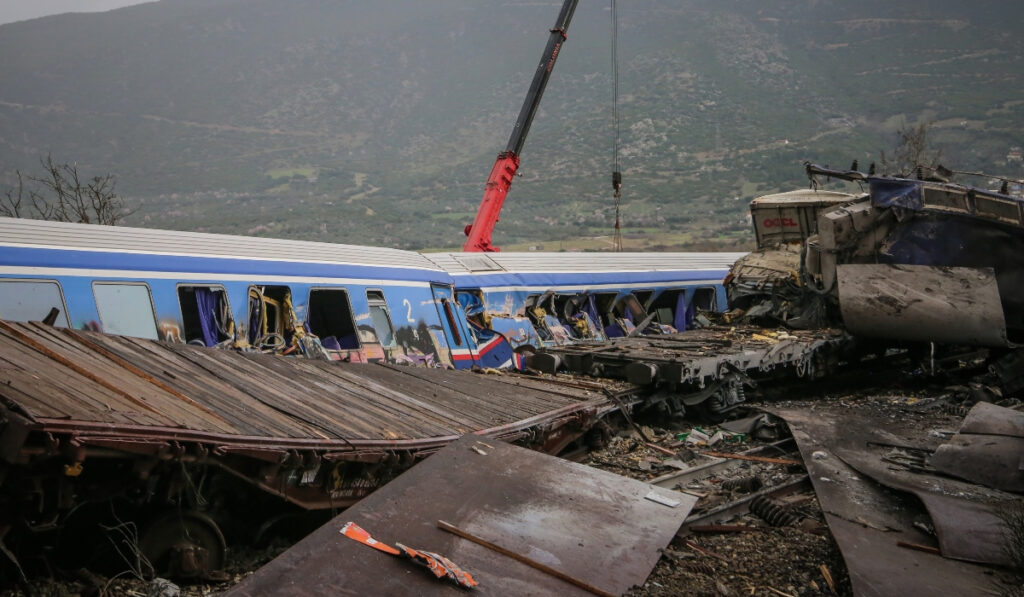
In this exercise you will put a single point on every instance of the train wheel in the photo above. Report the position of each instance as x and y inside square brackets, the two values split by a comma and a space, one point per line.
[185, 545]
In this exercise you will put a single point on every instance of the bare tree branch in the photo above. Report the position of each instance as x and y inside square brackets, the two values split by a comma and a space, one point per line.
[61, 195]
[10, 203]
[911, 151]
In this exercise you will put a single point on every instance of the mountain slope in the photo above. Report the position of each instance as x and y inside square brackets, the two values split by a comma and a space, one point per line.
[377, 122]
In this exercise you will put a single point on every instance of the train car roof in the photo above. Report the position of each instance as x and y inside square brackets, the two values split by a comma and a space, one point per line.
[91, 237]
[482, 263]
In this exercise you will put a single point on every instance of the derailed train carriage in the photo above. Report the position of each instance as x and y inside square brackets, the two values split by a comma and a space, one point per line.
[188, 436]
[342, 302]
[553, 299]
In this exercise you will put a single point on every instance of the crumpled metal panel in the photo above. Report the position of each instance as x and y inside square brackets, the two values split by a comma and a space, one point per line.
[889, 192]
[590, 524]
[965, 517]
[989, 449]
[867, 521]
[698, 356]
[956, 305]
[990, 419]
[992, 460]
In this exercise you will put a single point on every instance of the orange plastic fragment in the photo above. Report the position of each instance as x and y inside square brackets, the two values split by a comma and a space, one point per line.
[439, 566]
[354, 531]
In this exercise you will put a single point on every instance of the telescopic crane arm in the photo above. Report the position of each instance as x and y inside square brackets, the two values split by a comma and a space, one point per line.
[500, 180]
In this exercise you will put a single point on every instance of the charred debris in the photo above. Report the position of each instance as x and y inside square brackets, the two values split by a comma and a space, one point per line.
[851, 424]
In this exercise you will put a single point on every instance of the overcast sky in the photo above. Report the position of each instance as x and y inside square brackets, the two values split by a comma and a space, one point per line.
[20, 10]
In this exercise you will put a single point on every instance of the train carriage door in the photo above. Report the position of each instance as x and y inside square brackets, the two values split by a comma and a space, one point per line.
[380, 332]
[453, 324]
[492, 348]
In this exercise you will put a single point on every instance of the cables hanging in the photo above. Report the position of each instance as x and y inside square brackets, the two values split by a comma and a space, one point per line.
[616, 173]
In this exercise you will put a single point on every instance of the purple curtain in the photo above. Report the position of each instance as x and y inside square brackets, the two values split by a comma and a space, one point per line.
[681, 315]
[627, 312]
[207, 302]
[590, 308]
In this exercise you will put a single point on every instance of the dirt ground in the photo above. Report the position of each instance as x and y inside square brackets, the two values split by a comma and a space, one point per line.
[752, 556]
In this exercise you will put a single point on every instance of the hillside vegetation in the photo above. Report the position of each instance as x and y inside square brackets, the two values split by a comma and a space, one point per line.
[376, 122]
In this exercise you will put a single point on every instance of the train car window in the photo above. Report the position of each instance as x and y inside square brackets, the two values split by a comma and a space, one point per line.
[472, 303]
[125, 309]
[32, 300]
[705, 299]
[270, 316]
[669, 308]
[381, 317]
[644, 296]
[330, 318]
[452, 322]
[205, 315]
[605, 301]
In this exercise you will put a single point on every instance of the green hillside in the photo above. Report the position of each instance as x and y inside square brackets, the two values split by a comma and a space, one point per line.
[377, 122]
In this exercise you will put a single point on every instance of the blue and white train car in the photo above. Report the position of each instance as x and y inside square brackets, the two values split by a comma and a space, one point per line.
[558, 298]
[346, 302]
[361, 303]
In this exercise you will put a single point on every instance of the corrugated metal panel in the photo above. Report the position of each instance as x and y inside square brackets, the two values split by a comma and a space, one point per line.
[115, 386]
[586, 262]
[804, 197]
[170, 242]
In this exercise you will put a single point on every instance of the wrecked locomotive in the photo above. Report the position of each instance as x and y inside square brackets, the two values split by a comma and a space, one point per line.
[911, 260]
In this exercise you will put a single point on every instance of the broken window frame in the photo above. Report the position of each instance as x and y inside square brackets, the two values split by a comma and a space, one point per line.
[381, 304]
[646, 295]
[284, 317]
[225, 327]
[658, 298]
[353, 328]
[701, 291]
[453, 323]
[605, 303]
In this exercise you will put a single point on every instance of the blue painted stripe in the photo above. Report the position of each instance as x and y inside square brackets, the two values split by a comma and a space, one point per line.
[37, 257]
[548, 279]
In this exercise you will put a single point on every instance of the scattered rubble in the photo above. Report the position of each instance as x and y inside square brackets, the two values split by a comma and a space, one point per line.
[878, 467]
[729, 550]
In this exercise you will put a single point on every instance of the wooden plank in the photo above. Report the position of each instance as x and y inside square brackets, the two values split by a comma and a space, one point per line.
[102, 371]
[492, 396]
[388, 412]
[73, 390]
[135, 370]
[425, 396]
[767, 459]
[312, 407]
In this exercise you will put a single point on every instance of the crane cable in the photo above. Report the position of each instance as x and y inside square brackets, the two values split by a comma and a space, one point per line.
[616, 173]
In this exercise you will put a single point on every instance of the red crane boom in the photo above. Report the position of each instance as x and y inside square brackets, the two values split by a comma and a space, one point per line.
[500, 180]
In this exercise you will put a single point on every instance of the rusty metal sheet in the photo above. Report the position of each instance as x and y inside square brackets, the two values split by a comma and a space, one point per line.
[965, 516]
[867, 521]
[988, 449]
[102, 385]
[987, 418]
[956, 305]
[592, 525]
[992, 460]
[93, 392]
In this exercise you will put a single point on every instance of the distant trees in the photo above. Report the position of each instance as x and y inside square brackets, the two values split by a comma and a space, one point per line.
[62, 195]
[911, 151]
